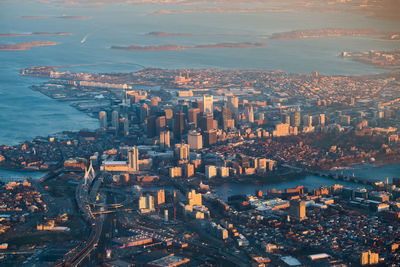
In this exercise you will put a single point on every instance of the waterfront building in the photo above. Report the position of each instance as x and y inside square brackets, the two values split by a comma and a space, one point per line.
[211, 171]
[223, 172]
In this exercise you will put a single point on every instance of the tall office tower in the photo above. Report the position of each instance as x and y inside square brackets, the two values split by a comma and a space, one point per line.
[233, 103]
[210, 137]
[193, 113]
[142, 203]
[206, 122]
[169, 115]
[200, 105]
[208, 102]
[133, 159]
[150, 202]
[181, 151]
[179, 124]
[249, 114]
[285, 119]
[295, 119]
[115, 119]
[126, 126]
[144, 112]
[298, 209]
[160, 196]
[154, 101]
[321, 119]
[161, 123]
[226, 117]
[195, 140]
[165, 140]
[194, 198]
[151, 126]
[103, 120]
[307, 121]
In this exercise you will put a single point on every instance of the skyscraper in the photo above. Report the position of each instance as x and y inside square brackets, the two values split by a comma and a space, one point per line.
[193, 113]
[103, 120]
[210, 137]
[133, 159]
[206, 122]
[296, 119]
[181, 151]
[160, 196]
[161, 123]
[321, 119]
[208, 102]
[233, 103]
[179, 124]
[298, 209]
[226, 117]
[195, 140]
[144, 112]
[115, 119]
[151, 125]
[126, 126]
[249, 114]
[165, 140]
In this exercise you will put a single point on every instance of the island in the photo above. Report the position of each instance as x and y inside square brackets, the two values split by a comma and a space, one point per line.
[322, 33]
[26, 46]
[34, 34]
[178, 47]
[164, 34]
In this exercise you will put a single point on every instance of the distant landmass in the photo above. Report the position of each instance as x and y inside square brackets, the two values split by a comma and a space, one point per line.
[25, 46]
[321, 33]
[177, 47]
[57, 17]
[169, 34]
[34, 34]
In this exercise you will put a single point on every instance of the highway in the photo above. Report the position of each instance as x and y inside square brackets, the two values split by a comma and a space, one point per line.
[76, 256]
